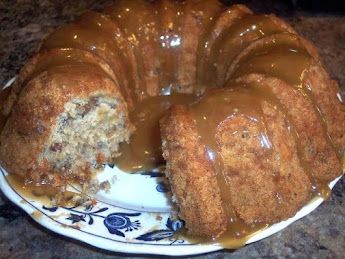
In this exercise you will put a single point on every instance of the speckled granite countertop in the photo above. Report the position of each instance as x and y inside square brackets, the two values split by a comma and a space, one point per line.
[23, 23]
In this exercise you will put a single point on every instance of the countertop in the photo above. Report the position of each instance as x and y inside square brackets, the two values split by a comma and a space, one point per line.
[321, 234]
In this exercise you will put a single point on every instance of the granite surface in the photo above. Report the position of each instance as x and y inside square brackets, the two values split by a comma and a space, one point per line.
[321, 234]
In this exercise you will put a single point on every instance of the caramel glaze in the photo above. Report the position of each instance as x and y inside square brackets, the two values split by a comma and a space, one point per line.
[138, 21]
[31, 190]
[103, 24]
[221, 23]
[318, 187]
[273, 59]
[144, 150]
[242, 100]
[228, 103]
[44, 193]
[64, 57]
[201, 16]
[170, 38]
[282, 51]
[146, 51]
[81, 35]
[234, 39]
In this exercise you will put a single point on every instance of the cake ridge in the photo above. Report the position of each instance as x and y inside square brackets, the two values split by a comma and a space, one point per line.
[274, 88]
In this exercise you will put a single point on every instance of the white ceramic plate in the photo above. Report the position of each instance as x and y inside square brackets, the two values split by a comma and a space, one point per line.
[132, 217]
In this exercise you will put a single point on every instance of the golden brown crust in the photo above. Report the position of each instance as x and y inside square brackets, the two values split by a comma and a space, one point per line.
[191, 176]
[265, 41]
[223, 61]
[316, 150]
[265, 185]
[325, 92]
[24, 136]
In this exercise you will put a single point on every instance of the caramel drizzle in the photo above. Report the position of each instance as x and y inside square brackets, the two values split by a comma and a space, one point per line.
[229, 103]
[223, 21]
[138, 20]
[319, 188]
[236, 38]
[170, 39]
[62, 57]
[144, 150]
[104, 25]
[284, 51]
[295, 79]
[273, 59]
[200, 19]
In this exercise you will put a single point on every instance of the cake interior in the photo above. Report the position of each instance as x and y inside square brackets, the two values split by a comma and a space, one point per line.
[91, 128]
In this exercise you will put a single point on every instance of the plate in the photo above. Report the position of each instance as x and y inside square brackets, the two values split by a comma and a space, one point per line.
[133, 216]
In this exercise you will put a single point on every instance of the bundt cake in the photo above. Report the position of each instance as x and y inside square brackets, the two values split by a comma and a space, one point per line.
[250, 124]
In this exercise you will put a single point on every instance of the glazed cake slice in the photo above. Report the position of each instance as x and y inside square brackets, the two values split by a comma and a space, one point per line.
[192, 178]
[317, 152]
[80, 119]
[228, 166]
[273, 55]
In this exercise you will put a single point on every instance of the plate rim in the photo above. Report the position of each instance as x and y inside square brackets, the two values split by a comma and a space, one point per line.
[127, 247]
[108, 244]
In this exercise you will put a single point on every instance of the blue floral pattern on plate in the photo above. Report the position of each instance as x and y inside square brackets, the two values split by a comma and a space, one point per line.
[118, 223]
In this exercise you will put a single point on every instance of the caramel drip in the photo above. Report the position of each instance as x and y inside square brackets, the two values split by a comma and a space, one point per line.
[230, 239]
[144, 150]
[41, 192]
[88, 34]
[223, 21]
[170, 37]
[36, 191]
[103, 24]
[273, 58]
[200, 16]
[319, 187]
[229, 103]
[138, 20]
[236, 38]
